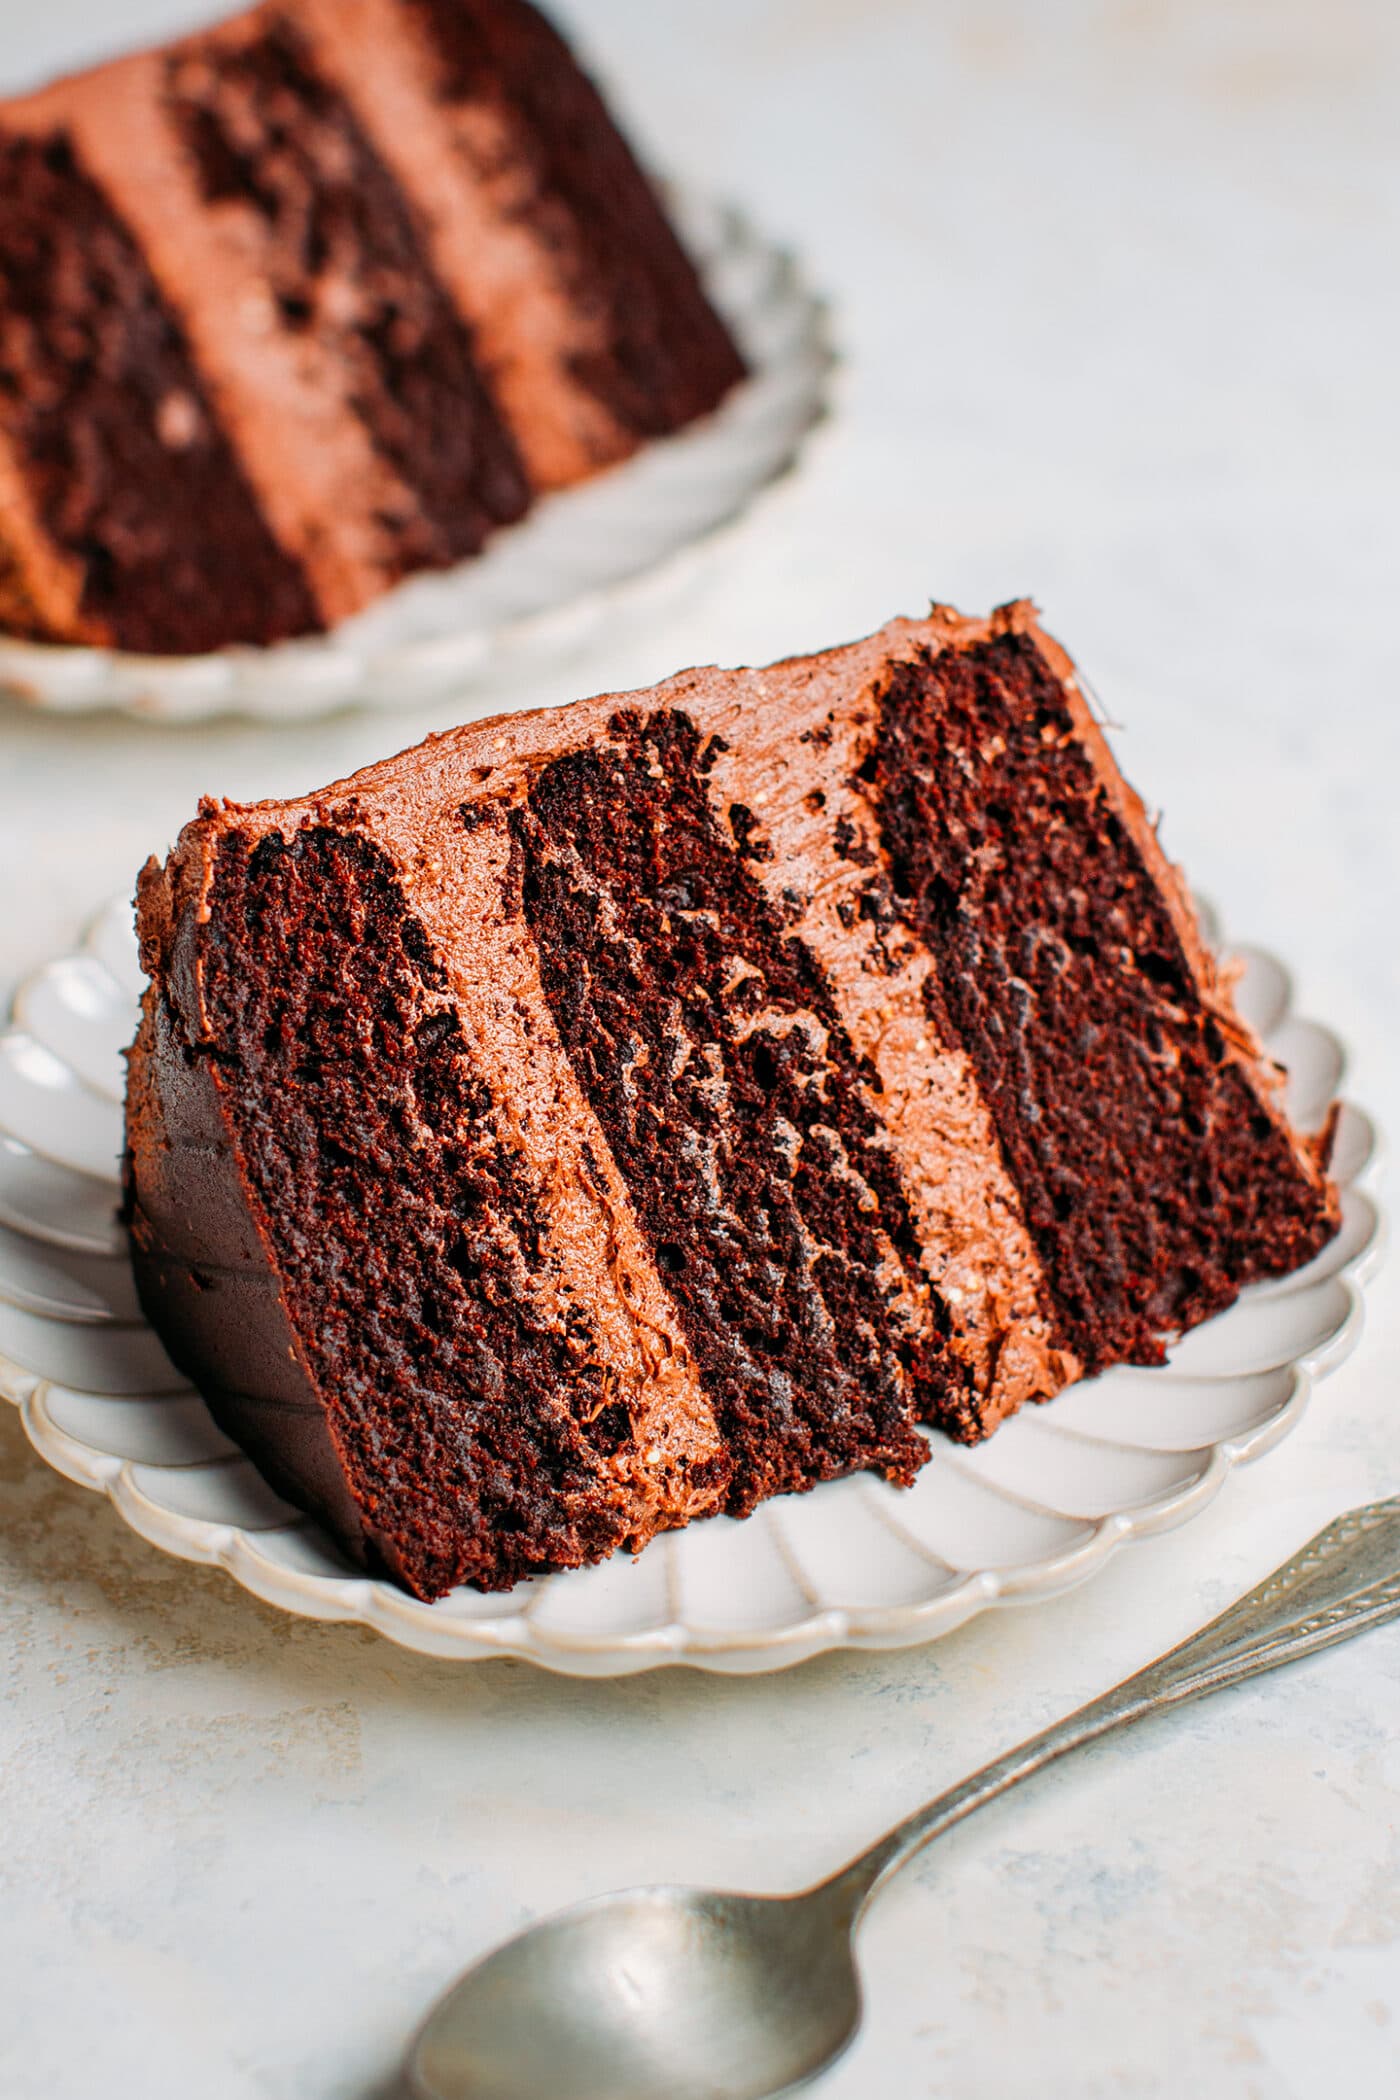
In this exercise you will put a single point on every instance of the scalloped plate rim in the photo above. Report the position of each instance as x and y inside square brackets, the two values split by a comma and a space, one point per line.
[355, 1598]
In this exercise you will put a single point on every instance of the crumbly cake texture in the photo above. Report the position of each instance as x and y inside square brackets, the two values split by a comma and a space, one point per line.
[596, 1118]
[305, 303]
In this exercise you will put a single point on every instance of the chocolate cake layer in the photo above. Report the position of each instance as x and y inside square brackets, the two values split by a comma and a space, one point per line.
[156, 536]
[1151, 1174]
[707, 1042]
[378, 298]
[596, 1118]
[655, 355]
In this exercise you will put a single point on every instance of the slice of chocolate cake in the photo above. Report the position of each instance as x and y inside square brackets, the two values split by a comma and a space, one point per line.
[315, 299]
[596, 1118]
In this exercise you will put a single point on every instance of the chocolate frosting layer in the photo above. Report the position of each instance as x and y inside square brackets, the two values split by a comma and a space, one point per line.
[816, 852]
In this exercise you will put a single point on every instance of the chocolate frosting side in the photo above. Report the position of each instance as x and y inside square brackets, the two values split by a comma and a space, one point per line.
[462, 166]
[204, 1269]
[464, 892]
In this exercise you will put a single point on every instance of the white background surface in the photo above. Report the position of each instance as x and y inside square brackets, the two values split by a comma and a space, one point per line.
[1119, 289]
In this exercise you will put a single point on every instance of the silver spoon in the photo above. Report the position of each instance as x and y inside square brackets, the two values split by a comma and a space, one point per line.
[690, 1994]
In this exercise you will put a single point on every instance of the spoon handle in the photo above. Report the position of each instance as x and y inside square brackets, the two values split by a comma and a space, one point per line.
[1342, 1582]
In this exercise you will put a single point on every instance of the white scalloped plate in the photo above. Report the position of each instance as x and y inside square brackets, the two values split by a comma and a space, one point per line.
[855, 1564]
[610, 548]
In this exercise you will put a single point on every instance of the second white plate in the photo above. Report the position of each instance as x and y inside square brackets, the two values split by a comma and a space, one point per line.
[854, 1564]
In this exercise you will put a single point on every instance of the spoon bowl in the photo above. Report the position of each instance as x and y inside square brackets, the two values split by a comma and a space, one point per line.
[689, 1993]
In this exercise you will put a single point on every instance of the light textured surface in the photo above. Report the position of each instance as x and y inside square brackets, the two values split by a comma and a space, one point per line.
[1119, 288]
